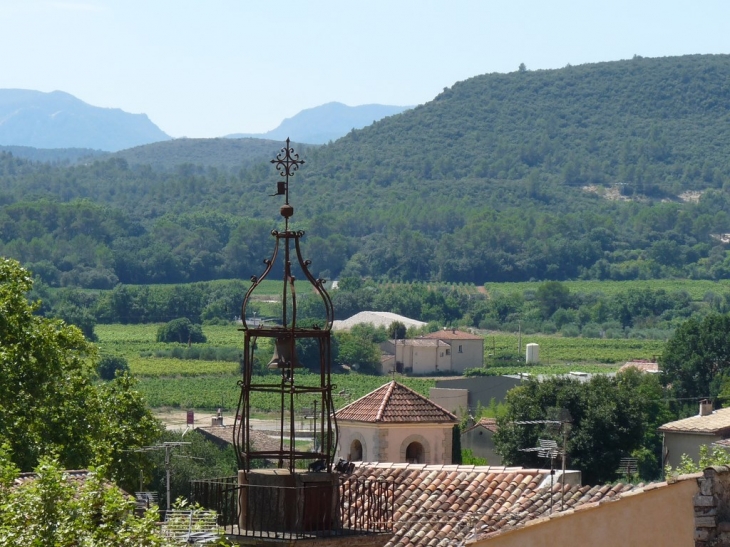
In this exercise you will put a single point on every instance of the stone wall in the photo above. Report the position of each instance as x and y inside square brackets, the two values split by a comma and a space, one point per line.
[712, 508]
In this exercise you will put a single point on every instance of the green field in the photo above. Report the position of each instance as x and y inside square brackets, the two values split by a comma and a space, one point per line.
[696, 288]
[558, 350]
[211, 392]
[186, 383]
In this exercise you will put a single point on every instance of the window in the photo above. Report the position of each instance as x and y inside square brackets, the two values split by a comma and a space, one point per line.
[461, 349]
[448, 352]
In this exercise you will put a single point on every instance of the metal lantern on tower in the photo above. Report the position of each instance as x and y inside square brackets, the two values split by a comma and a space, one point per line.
[284, 333]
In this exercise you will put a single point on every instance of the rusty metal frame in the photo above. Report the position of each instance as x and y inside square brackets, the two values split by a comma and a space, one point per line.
[286, 163]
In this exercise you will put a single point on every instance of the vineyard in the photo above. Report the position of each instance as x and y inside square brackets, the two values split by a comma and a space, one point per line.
[198, 383]
[557, 350]
[696, 288]
[211, 392]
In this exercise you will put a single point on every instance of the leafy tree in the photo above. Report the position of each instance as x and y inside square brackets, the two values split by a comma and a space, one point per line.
[611, 418]
[109, 365]
[48, 396]
[357, 351]
[202, 459]
[397, 331]
[709, 456]
[181, 330]
[52, 511]
[551, 296]
[696, 357]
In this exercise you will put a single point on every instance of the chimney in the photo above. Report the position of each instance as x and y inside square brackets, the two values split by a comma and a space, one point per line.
[705, 407]
[453, 330]
[217, 420]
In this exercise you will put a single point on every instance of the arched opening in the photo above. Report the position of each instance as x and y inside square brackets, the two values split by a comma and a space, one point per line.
[356, 451]
[415, 453]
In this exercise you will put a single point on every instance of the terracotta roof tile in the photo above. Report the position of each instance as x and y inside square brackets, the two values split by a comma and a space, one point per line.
[452, 335]
[224, 435]
[714, 423]
[394, 402]
[443, 505]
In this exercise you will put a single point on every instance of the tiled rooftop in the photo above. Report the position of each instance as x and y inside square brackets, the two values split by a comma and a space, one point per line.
[715, 423]
[487, 423]
[423, 342]
[393, 403]
[224, 435]
[442, 505]
[453, 335]
[77, 477]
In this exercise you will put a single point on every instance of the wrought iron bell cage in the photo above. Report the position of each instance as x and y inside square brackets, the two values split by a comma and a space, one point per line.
[285, 335]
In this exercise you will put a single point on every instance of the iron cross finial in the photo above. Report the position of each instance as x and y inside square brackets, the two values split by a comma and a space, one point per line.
[286, 162]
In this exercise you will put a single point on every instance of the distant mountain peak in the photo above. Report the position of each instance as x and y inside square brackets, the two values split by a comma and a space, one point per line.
[59, 120]
[327, 122]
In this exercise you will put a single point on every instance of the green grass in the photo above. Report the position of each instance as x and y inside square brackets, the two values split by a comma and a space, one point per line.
[179, 383]
[696, 288]
[211, 392]
[556, 350]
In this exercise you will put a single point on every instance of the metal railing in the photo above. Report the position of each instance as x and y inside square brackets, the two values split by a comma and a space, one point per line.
[348, 507]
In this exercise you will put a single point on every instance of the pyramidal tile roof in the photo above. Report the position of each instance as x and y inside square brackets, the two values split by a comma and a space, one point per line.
[445, 505]
[395, 403]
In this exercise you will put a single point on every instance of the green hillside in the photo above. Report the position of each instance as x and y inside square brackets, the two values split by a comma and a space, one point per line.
[225, 154]
[606, 171]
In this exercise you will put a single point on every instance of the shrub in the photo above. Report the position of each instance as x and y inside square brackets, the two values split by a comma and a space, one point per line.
[181, 330]
[109, 365]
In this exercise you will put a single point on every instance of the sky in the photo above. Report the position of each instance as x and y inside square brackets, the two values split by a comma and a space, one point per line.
[215, 67]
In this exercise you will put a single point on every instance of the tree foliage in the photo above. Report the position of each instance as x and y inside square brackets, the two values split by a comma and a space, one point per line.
[49, 403]
[581, 172]
[697, 356]
[53, 511]
[181, 330]
[611, 418]
[109, 365]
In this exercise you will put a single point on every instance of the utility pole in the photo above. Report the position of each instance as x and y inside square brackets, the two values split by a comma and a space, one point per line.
[314, 434]
[167, 447]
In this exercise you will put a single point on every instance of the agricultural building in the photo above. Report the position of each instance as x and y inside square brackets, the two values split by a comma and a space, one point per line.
[395, 424]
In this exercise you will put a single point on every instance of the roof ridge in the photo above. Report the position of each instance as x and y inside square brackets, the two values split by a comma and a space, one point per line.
[384, 402]
[427, 400]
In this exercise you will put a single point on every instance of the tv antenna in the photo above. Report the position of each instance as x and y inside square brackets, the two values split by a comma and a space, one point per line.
[628, 467]
[549, 447]
[167, 447]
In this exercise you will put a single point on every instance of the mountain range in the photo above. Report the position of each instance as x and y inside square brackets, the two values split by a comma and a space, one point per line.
[59, 120]
[325, 123]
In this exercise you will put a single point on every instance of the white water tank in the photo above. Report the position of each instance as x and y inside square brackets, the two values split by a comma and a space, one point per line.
[532, 353]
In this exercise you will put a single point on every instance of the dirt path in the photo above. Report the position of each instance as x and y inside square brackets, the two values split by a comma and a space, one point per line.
[177, 419]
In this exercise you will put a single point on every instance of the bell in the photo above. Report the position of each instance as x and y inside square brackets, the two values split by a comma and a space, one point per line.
[285, 355]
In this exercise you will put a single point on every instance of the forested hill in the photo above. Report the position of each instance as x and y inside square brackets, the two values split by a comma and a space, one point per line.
[224, 154]
[608, 171]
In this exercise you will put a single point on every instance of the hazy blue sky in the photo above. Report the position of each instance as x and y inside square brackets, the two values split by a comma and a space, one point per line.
[213, 67]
